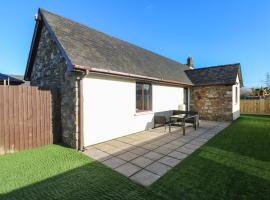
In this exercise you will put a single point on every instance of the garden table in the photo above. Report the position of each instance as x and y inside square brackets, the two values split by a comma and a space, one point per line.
[182, 119]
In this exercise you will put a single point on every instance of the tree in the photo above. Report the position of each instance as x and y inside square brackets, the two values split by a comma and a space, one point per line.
[253, 91]
[244, 92]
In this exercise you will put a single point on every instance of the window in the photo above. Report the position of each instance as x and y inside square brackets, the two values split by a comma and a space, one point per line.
[186, 98]
[143, 97]
[236, 95]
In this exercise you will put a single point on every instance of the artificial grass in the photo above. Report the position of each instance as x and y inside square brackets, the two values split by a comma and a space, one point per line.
[235, 164]
[57, 172]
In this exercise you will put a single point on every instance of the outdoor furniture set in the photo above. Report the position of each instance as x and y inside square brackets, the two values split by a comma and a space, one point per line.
[176, 118]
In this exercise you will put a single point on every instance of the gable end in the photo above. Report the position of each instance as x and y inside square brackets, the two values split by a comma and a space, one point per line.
[40, 24]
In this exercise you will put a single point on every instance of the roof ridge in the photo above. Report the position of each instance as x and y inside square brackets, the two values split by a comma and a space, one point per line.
[114, 37]
[216, 66]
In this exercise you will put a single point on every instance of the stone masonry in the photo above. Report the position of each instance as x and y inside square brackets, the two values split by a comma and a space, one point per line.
[50, 71]
[212, 102]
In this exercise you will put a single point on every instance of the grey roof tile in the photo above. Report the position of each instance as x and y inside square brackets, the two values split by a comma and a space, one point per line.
[85, 46]
[222, 74]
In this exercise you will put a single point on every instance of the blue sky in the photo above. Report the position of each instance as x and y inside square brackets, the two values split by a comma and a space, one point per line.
[212, 32]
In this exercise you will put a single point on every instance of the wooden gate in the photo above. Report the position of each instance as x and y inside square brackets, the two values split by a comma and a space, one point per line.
[25, 118]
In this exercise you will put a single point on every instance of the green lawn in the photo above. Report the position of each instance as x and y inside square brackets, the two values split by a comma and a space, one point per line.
[233, 165]
[56, 172]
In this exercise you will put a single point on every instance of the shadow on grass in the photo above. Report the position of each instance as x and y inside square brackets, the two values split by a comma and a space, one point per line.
[90, 181]
[57, 172]
[69, 175]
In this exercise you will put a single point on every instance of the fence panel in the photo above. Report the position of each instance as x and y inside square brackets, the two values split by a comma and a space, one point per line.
[25, 118]
[260, 106]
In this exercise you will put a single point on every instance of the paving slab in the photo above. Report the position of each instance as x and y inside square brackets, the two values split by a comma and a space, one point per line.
[177, 143]
[142, 161]
[145, 177]
[163, 150]
[171, 146]
[103, 146]
[167, 160]
[153, 155]
[158, 168]
[160, 142]
[127, 156]
[206, 136]
[125, 139]
[149, 146]
[185, 139]
[119, 144]
[191, 146]
[114, 151]
[127, 169]
[201, 139]
[185, 150]
[197, 142]
[139, 151]
[166, 139]
[114, 162]
[178, 155]
[97, 154]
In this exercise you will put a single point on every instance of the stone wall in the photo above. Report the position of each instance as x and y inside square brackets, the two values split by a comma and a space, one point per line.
[50, 71]
[212, 102]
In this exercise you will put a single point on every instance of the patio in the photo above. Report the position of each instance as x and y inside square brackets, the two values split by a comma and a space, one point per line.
[146, 156]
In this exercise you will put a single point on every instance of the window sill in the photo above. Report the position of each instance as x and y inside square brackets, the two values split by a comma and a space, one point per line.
[143, 113]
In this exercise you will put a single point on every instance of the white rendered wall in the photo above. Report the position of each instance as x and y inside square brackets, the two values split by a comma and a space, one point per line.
[110, 107]
[236, 105]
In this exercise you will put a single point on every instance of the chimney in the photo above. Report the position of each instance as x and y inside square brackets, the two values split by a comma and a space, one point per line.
[190, 63]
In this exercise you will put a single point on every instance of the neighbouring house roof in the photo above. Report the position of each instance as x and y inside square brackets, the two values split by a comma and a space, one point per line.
[89, 49]
[21, 78]
[12, 79]
[216, 75]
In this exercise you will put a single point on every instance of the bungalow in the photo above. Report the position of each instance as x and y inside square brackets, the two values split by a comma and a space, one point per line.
[110, 88]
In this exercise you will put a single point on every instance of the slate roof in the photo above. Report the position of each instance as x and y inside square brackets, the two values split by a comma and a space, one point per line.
[88, 47]
[12, 80]
[216, 75]
[21, 78]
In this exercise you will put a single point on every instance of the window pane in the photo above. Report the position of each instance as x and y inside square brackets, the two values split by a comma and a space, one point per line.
[138, 96]
[143, 97]
[186, 98]
[236, 95]
[185, 95]
[147, 97]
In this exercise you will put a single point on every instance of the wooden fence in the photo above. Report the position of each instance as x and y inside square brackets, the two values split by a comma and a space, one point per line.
[25, 118]
[255, 106]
